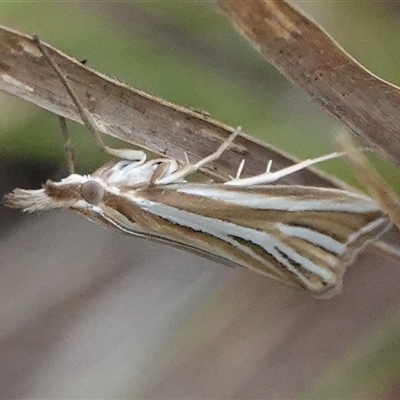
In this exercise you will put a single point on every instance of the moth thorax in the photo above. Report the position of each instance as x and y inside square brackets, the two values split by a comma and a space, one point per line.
[92, 192]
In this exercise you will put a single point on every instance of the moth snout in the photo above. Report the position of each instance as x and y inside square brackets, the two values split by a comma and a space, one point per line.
[62, 192]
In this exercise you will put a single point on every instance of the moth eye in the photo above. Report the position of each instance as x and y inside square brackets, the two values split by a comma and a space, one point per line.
[92, 192]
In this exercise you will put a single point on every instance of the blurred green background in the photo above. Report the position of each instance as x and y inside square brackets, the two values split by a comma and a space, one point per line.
[189, 54]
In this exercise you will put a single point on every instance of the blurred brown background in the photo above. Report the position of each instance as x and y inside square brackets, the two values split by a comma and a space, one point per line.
[88, 313]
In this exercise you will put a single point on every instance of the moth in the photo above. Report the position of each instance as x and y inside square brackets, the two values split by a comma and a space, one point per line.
[302, 236]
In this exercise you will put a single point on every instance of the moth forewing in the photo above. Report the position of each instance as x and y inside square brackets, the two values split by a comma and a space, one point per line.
[301, 235]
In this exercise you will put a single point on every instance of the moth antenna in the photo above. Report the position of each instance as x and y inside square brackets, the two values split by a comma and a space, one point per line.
[87, 118]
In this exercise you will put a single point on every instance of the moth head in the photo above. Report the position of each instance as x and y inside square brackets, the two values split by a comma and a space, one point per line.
[92, 191]
[76, 192]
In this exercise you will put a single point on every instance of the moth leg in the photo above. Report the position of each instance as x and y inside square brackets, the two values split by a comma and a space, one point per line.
[268, 176]
[68, 147]
[187, 158]
[87, 118]
[189, 169]
[240, 169]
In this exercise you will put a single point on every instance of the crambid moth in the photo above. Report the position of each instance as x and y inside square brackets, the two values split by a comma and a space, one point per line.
[302, 236]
